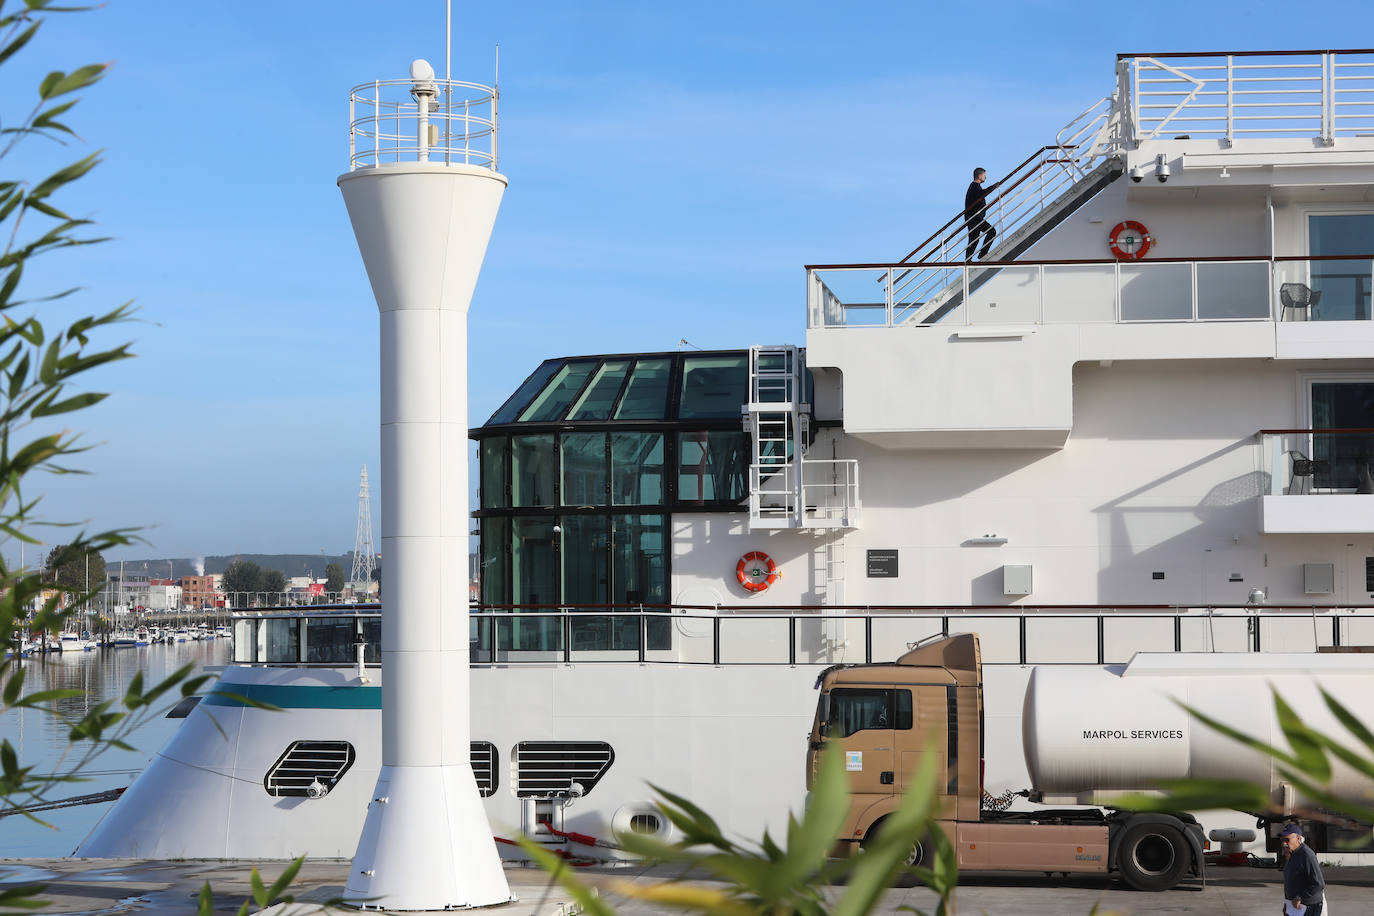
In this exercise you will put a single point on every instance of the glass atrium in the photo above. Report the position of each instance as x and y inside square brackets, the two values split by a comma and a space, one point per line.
[582, 467]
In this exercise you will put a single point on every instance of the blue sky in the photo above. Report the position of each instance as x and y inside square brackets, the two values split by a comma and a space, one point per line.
[671, 167]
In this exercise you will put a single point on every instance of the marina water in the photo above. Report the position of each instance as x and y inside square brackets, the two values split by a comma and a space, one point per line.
[40, 740]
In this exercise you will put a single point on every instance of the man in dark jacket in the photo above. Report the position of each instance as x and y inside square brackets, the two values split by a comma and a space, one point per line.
[1303, 884]
[975, 211]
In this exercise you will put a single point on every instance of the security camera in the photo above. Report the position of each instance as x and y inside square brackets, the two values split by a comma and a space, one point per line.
[1161, 168]
[1137, 174]
[316, 789]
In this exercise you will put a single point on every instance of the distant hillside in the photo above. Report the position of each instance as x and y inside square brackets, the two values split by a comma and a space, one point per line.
[290, 564]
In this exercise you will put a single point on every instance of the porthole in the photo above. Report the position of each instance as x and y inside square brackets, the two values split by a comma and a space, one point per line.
[642, 819]
[647, 824]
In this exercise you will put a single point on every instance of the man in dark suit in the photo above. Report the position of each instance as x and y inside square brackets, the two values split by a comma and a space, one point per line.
[975, 213]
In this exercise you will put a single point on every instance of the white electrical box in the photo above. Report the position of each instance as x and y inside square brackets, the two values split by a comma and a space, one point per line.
[1016, 580]
[1318, 578]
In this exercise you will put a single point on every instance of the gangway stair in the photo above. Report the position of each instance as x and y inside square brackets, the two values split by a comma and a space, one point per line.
[787, 487]
[1028, 203]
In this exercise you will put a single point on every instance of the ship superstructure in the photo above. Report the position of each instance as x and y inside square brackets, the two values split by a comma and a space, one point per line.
[1144, 423]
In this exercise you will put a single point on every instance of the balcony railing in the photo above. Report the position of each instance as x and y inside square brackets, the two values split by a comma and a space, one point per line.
[1284, 288]
[1304, 462]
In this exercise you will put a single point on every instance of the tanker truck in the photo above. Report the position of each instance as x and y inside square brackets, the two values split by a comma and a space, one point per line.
[1086, 732]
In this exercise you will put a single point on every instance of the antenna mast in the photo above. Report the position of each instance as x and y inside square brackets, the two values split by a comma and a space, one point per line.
[364, 550]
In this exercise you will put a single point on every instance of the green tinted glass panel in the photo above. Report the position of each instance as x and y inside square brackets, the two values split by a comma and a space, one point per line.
[636, 469]
[532, 561]
[558, 393]
[495, 571]
[638, 560]
[584, 468]
[492, 460]
[596, 402]
[714, 386]
[712, 467]
[532, 470]
[584, 559]
[511, 409]
[646, 397]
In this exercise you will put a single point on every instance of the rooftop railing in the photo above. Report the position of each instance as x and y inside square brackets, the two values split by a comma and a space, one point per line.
[424, 120]
[1011, 293]
[1232, 95]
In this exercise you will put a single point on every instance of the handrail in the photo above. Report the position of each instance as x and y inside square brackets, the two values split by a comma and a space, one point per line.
[1247, 53]
[881, 265]
[1304, 432]
[960, 215]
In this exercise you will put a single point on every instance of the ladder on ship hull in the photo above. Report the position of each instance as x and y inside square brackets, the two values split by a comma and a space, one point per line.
[787, 488]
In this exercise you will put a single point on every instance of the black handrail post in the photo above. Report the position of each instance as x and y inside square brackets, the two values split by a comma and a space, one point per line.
[643, 636]
[567, 637]
[715, 640]
[792, 640]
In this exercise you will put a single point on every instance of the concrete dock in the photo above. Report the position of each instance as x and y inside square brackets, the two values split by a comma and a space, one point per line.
[112, 886]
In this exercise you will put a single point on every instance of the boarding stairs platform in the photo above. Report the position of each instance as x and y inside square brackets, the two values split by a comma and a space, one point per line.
[1031, 200]
[788, 488]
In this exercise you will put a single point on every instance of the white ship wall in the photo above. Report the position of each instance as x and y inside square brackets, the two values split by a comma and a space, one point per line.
[1162, 473]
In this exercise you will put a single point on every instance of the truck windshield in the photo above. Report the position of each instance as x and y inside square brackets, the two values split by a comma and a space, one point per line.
[854, 709]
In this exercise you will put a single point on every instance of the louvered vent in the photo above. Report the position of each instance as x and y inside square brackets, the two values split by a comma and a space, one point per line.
[309, 763]
[484, 767]
[551, 767]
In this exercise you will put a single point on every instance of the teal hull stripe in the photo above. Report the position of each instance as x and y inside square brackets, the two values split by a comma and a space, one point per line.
[288, 697]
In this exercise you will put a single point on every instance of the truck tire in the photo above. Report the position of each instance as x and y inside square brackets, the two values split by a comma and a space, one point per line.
[917, 855]
[1152, 856]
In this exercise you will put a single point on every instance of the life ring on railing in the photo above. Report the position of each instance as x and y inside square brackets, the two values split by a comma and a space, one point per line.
[756, 571]
[1130, 240]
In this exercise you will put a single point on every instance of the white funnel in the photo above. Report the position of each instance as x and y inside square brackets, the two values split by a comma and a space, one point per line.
[422, 227]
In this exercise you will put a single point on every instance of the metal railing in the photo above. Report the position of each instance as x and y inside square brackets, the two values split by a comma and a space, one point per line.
[1323, 94]
[1022, 195]
[434, 120]
[1303, 462]
[749, 635]
[1085, 291]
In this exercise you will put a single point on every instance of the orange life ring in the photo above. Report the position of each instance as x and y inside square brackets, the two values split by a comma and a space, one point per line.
[1130, 240]
[755, 577]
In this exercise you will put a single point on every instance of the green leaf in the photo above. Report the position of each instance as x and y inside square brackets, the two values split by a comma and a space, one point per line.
[18, 42]
[884, 856]
[205, 904]
[587, 898]
[279, 886]
[259, 892]
[58, 83]
[1307, 747]
[12, 687]
[1347, 719]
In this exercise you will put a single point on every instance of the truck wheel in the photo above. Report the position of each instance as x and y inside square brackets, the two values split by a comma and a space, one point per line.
[918, 853]
[1152, 857]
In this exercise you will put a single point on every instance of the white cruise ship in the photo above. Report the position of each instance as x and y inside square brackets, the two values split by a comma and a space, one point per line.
[1143, 423]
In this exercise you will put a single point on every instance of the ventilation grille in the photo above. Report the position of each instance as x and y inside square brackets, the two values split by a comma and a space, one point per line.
[551, 767]
[484, 767]
[306, 762]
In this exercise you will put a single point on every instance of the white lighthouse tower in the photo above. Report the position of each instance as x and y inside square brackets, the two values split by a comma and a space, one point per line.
[422, 193]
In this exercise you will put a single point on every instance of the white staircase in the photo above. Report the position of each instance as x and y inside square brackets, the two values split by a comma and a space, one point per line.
[787, 488]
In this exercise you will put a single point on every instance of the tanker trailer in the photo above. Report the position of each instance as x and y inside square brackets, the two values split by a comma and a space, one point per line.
[885, 717]
[1089, 732]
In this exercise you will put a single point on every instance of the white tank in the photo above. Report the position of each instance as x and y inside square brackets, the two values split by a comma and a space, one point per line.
[1094, 729]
